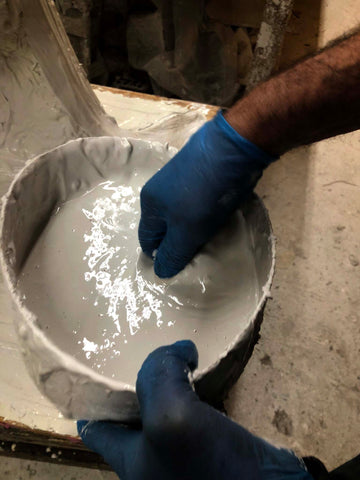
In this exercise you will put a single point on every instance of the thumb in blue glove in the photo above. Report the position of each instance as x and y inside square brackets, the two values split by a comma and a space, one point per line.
[186, 202]
[183, 438]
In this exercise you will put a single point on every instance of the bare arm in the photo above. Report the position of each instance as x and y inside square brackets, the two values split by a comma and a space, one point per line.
[316, 99]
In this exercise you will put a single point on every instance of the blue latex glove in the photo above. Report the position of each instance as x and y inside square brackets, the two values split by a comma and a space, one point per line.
[185, 203]
[183, 438]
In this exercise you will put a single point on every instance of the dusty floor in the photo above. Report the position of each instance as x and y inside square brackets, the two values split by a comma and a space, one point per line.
[302, 385]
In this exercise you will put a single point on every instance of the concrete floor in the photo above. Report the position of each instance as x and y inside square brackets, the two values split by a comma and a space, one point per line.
[301, 387]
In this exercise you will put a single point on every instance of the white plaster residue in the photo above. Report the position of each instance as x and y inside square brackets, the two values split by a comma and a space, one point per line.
[89, 346]
[112, 217]
[147, 119]
[266, 36]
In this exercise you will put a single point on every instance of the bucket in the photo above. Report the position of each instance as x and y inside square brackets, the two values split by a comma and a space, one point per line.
[78, 390]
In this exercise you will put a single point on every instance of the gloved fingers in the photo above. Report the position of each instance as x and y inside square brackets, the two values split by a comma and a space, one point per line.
[174, 253]
[110, 440]
[163, 379]
[151, 233]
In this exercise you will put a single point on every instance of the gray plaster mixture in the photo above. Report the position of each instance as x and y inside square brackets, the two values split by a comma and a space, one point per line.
[96, 295]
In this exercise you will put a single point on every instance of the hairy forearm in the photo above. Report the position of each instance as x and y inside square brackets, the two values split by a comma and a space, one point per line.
[316, 99]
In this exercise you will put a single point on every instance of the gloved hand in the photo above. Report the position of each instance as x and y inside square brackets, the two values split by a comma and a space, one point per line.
[183, 438]
[185, 203]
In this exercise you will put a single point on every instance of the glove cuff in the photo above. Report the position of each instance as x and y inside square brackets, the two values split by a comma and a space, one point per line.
[247, 147]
